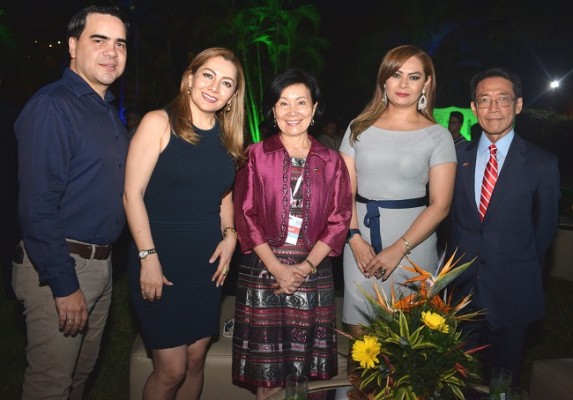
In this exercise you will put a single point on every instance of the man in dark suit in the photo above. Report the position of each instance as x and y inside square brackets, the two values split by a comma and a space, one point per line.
[509, 227]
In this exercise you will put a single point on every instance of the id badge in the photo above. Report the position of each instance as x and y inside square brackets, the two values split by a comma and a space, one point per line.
[294, 224]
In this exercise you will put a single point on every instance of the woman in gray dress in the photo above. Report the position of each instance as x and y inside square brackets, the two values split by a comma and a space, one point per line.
[402, 166]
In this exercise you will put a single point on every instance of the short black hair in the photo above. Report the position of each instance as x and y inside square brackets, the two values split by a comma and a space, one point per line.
[292, 76]
[458, 115]
[497, 73]
[78, 22]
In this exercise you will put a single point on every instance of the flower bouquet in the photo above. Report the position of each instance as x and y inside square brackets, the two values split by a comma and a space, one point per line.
[413, 348]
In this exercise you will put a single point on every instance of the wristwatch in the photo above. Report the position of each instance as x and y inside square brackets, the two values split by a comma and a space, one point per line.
[144, 253]
[352, 232]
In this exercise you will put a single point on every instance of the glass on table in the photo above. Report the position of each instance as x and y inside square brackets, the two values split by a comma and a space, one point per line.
[500, 382]
[296, 387]
[516, 393]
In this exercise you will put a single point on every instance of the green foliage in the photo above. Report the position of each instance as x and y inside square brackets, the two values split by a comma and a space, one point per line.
[421, 348]
[110, 379]
[549, 116]
[270, 37]
[549, 130]
[6, 35]
[553, 132]
[111, 376]
[418, 361]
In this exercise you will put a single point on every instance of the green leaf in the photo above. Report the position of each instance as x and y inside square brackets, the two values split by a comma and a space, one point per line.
[369, 379]
[424, 345]
[378, 309]
[380, 395]
[404, 328]
[446, 279]
[266, 39]
[457, 391]
[415, 337]
[403, 380]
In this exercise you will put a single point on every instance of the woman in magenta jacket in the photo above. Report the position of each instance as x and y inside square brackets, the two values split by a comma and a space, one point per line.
[293, 209]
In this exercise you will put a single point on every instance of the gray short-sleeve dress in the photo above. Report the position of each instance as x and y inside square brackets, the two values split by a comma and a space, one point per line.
[391, 165]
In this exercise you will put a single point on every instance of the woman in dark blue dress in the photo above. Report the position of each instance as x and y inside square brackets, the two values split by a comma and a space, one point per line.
[179, 175]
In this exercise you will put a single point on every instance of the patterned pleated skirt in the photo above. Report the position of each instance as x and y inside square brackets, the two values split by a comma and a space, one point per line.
[276, 335]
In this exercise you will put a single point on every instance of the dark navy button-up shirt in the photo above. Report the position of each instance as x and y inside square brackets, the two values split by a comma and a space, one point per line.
[72, 148]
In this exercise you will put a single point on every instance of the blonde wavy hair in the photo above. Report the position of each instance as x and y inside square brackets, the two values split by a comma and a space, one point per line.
[391, 62]
[231, 120]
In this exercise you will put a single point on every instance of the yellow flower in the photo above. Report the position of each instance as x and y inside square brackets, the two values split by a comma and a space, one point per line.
[366, 351]
[435, 322]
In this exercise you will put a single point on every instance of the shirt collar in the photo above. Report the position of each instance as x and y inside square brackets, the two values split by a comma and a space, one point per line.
[274, 143]
[502, 144]
[81, 88]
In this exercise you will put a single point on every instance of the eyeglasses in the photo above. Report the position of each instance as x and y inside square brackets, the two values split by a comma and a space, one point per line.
[486, 102]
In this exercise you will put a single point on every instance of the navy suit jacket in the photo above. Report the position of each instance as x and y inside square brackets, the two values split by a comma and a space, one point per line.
[510, 244]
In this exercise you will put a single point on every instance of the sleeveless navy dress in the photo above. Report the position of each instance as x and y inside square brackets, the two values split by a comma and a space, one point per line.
[183, 201]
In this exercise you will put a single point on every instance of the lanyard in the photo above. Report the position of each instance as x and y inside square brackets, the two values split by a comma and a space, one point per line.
[296, 187]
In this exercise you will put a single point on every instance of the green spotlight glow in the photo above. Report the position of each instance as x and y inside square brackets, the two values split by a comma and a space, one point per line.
[442, 116]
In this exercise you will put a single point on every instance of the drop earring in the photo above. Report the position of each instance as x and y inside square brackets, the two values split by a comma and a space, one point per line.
[422, 101]
[228, 107]
[385, 96]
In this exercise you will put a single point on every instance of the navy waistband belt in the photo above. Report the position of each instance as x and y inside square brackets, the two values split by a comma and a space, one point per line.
[372, 218]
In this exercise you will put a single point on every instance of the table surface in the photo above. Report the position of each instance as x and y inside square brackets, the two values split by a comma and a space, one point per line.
[340, 393]
[336, 393]
[333, 393]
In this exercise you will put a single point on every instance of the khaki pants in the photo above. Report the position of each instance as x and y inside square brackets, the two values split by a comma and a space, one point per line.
[59, 365]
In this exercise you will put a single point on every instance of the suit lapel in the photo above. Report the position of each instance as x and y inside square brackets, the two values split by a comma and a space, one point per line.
[467, 174]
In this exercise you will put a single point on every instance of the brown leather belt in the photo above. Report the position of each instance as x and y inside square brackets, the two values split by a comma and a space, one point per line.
[89, 251]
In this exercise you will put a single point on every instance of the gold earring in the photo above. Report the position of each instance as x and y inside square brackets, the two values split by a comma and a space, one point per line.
[189, 90]
[228, 106]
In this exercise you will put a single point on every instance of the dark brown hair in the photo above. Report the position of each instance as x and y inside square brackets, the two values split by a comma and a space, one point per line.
[391, 62]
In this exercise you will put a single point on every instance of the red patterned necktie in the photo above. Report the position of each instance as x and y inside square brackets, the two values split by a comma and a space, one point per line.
[489, 180]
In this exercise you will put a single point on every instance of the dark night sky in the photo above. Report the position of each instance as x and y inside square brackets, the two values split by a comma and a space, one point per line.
[532, 38]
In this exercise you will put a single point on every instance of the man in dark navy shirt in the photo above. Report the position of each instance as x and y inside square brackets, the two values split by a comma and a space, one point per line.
[72, 150]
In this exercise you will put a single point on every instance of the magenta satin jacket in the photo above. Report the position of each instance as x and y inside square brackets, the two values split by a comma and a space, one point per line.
[262, 197]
